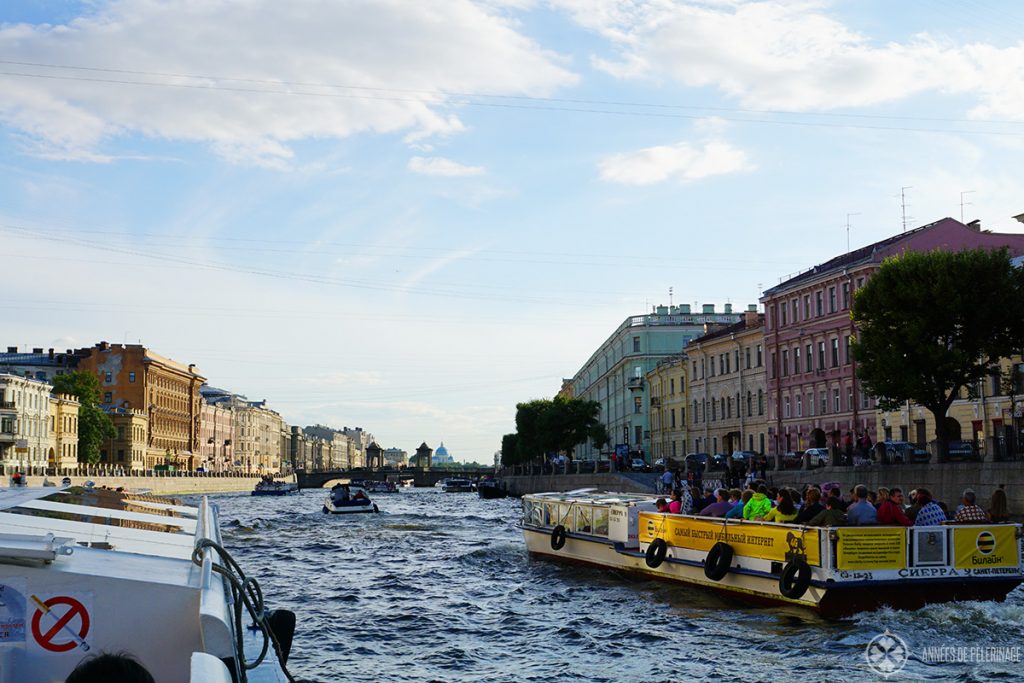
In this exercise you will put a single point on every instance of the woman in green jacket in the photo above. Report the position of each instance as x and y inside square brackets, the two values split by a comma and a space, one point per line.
[759, 504]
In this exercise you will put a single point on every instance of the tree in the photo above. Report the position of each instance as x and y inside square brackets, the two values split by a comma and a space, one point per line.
[94, 425]
[552, 425]
[932, 324]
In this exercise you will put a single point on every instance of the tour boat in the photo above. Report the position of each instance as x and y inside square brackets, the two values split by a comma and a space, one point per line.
[457, 485]
[85, 571]
[491, 488]
[273, 487]
[836, 571]
[347, 499]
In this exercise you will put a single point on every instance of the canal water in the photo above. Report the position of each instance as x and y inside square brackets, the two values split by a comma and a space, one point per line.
[439, 588]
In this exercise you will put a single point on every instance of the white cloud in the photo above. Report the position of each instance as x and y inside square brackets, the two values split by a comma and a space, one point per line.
[440, 166]
[682, 162]
[385, 64]
[793, 55]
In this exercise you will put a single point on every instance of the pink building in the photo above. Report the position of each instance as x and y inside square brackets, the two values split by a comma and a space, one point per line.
[216, 422]
[814, 396]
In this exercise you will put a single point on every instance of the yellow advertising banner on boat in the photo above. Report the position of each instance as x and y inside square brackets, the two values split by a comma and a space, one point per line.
[763, 541]
[871, 548]
[982, 547]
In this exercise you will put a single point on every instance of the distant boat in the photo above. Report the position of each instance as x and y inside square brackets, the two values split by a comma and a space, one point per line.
[491, 488]
[347, 499]
[271, 487]
[458, 485]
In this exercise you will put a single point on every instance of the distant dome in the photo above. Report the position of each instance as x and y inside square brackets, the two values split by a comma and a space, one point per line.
[441, 450]
[441, 455]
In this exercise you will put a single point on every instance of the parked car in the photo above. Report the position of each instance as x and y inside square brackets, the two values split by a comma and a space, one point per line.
[745, 457]
[694, 459]
[792, 460]
[819, 456]
[898, 452]
[962, 450]
[920, 455]
[639, 465]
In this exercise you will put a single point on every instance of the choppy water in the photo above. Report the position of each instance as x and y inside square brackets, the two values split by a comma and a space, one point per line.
[439, 588]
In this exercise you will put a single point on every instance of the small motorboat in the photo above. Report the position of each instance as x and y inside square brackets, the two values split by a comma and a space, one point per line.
[271, 487]
[371, 486]
[491, 488]
[347, 499]
[456, 485]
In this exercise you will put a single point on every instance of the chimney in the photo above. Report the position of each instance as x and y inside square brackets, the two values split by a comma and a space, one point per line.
[751, 318]
[12, 349]
[752, 307]
[728, 308]
[51, 354]
[38, 350]
[975, 225]
[709, 308]
[103, 346]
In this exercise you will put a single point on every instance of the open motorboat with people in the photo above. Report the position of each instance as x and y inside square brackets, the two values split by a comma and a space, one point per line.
[836, 571]
[347, 499]
[85, 571]
[373, 486]
[491, 488]
[268, 486]
[458, 485]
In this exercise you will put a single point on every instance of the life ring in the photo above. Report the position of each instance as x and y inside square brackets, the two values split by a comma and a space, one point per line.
[558, 537]
[718, 561]
[795, 579]
[656, 552]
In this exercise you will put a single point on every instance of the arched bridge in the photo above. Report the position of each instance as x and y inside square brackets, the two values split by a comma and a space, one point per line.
[421, 478]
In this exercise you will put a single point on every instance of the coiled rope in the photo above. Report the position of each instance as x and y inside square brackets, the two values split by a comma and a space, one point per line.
[244, 591]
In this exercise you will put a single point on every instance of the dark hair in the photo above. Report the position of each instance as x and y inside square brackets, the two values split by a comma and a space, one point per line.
[786, 506]
[861, 491]
[762, 489]
[105, 667]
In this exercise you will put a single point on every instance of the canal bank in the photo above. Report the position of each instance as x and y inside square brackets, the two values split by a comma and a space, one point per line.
[169, 485]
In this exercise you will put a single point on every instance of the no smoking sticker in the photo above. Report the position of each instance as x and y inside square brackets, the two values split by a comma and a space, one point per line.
[61, 623]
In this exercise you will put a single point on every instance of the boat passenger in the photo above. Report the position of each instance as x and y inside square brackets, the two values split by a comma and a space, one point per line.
[784, 510]
[686, 497]
[661, 505]
[675, 506]
[998, 510]
[120, 667]
[890, 512]
[812, 506]
[883, 495]
[719, 507]
[970, 512]
[929, 513]
[737, 510]
[861, 512]
[706, 500]
[359, 495]
[832, 515]
[759, 504]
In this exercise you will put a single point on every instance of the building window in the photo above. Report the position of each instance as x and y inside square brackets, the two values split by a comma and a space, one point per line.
[821, 355]
[638, 435]
[721, 364]
[672, 386]
[758, 355]
[818, 303]
[750, 404]
[809, 358]
[800, 406]
[865, 400]
[782, 309]
[835, 352]
[849, 398]
[860, 282]
[636, 344]
[714, 410]
[796, 309]
[796, 361]
[807, 306]
[810, 404]
[107, 397]
[785, 407]
[672, 415]
[849, 348]
[831, 299]
[748, 357]
[131, 376]
[636, 405]
[702, 364]
[835, 401]
[824, 403]
[108, 377]
[846, 295]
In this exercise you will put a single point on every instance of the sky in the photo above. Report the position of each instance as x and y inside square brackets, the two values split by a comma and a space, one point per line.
[410, 216]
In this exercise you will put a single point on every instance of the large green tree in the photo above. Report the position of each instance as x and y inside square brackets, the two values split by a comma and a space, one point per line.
[933, 324]
[94, 425]
[552, 425]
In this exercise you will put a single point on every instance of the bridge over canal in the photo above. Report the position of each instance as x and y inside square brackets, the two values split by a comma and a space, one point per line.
[420, 477]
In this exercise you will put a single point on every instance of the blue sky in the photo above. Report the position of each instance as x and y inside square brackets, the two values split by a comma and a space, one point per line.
[409, 216]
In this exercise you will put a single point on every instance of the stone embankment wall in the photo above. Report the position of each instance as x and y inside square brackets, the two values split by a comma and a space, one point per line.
[946, 481]
[169, 485]
[520, 485]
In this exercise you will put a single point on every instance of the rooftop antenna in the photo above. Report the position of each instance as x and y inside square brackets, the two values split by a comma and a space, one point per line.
[669, 296]
[903, 204]
[963, 203]
[848, 230]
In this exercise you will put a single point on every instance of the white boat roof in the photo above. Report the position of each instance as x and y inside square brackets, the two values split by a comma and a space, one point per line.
[593, 496]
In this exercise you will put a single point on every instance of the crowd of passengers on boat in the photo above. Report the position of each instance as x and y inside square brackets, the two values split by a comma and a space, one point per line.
[827, 506]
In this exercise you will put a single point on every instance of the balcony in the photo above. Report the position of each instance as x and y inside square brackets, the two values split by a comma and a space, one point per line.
[635, 383]
[7, 405]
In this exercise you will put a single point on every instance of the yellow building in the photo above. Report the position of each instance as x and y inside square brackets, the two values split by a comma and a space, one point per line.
[667, 410]
[63, 452]
[727, 389]
[128, 450]
[990, 415]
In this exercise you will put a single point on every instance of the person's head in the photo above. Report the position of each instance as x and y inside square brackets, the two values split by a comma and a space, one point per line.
[660, 504]
[832, 502]
[812, 496]
[735, 494]
[872, 497]
[721, 495]
[924, 496]
[110, 668]
[969, 497]
[860, 492]
[896, 495]
[676, 494]
[762, 489]
[883, 494]
[746, 496]
[785, 505]
[708, 492]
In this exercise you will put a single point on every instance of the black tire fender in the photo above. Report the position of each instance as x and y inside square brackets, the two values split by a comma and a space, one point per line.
[656, 553]
[718, 561]
[558, 537]
[795, 579]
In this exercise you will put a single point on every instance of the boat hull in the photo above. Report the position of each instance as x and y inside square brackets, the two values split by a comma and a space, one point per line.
[761, 588]
[492, 492]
